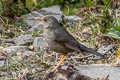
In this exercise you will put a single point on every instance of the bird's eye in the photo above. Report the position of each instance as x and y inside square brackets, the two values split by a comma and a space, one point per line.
[45, 19]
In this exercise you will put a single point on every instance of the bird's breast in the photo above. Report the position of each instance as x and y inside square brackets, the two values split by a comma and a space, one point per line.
[50, 37]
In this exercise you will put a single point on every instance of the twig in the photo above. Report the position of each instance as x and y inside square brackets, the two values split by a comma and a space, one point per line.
[7, 41]
[84, 57]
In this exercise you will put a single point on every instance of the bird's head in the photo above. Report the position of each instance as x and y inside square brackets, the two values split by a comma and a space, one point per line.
[48, 21]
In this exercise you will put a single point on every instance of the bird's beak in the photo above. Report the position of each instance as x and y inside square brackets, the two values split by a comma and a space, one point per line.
[37, 18]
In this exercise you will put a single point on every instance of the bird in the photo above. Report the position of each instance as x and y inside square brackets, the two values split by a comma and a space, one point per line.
[60, 40]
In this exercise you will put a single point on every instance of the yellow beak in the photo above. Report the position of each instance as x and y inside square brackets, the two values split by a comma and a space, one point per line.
[37, 18]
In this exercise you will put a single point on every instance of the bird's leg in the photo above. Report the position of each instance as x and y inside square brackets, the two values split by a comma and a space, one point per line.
[62, 59]
[60, 62]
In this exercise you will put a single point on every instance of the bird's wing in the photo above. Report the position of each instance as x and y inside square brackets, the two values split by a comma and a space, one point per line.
[67, 40]
[68, 44]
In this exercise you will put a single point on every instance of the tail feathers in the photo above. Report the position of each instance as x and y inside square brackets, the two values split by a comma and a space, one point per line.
[89, 50]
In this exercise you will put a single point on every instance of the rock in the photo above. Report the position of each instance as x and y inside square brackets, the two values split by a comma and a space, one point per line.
[23, 56]
[85, 72]
[7, 42]
[2, 63]
[24, 39]
[87, 33]
[2, 58]
[1, 48]
[53, 11]
[66, 73]
[99, 70]
[1, 28]
[37, 25]
[71, 19]
[15, 49]
[20, 52]
[39, 43]
[106, 49]
[28, 53]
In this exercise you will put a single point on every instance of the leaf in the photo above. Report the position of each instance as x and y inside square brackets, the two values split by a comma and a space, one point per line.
[88, 3]
[118, 28]
[114, 34]
[118, 52]
[118, 22]
[106, 2]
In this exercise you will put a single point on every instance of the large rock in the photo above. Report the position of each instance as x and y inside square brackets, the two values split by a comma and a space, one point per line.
[55, 11]
[66, 73]
[37, 25]
[97, 71]
[85, 72]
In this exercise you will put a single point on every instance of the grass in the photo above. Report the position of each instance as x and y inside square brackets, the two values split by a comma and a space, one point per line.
[36, 65]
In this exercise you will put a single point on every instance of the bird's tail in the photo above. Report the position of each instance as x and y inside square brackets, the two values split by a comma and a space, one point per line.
[89, 50]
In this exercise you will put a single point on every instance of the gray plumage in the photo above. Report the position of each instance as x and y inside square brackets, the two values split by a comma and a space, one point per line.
[59, 40]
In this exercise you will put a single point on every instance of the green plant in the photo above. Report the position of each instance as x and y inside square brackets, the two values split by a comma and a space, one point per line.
[104, 21]
[107, 2]
[88, 3]
[10, 9]
[3, 39]
[115, 30]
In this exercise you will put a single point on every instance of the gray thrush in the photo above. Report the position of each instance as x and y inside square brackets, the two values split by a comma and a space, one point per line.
[60, 41]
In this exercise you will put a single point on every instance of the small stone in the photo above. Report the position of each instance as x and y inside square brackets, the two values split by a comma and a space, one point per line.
[24, 39]
[86, 33]
[71, 19]
[37, 27]
[22, 55]
[105, 49]
[39, 43]
[1, 28]
[28, 53]
[2, 63]
[15, 49]
[1, 48]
